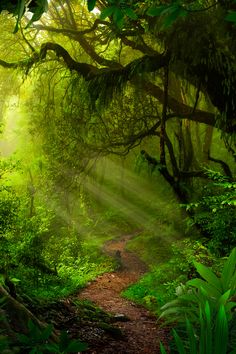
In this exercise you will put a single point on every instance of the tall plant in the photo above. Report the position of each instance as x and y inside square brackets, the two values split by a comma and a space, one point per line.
[205, 306]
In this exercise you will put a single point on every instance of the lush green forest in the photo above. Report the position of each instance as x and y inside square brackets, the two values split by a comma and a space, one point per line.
[117, 176]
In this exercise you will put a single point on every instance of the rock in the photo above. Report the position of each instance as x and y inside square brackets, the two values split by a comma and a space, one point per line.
[120, 317]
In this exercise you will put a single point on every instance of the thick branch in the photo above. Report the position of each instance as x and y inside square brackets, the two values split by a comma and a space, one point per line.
[71, 32]
[85, 70]
[79, 37]
[106, 80]
[223, 164]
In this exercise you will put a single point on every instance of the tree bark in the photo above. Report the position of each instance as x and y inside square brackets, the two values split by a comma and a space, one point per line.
[15, 317]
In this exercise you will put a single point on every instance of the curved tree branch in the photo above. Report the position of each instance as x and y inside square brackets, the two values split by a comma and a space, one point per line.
[105, 80]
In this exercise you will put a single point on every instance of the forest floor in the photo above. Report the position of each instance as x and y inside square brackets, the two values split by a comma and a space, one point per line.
[139, 328]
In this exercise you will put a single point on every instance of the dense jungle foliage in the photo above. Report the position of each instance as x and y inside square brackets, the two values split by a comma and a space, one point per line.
[118, 117]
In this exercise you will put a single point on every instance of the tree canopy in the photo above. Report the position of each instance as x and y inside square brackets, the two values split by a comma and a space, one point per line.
[178, 58]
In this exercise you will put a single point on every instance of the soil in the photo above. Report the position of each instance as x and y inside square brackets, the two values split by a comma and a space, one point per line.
[140, 331]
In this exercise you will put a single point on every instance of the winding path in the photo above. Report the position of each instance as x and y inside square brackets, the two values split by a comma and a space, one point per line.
[141, 332]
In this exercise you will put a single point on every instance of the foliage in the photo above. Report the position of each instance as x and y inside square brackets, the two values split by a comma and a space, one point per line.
[44, 255]
[37, 341]
[215, 212]
[215, 290]
[175, 267]
[51, 234]
[117, 9]
[19, 7]
[213, 337]
[207, 303]
[170, 11]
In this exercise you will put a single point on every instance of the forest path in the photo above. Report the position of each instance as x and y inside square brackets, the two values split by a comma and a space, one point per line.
[141, 332]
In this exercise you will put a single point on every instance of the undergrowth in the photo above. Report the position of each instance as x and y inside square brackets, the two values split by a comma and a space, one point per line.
[168, 271]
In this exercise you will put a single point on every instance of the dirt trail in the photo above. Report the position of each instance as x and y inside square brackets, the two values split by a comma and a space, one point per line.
[141, 333]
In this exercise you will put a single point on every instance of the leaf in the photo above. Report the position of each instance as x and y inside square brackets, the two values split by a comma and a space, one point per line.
[162, 348]
[157, 11]
[31, 326]
[130, 13]
[64, 341]
[46, 333]
[23, 339]
[179, 343]
[231, 17]
[117, 15]
[229, 306]
[76, 346]
[229, 270]
[208, 275]
[173, 16]
[108, 11]
[52, 347]
[2, 300]
[172, 303]
[35, 351]
[15, 280]
[34, 331]
[202, 333]
[20, 12]
[209, 289]
[224, 298]
[91, 4]
[208, 330]
[192, 338]
[38, 11]
[221, 332]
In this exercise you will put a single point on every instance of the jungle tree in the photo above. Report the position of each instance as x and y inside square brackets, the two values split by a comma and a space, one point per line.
[178, 55]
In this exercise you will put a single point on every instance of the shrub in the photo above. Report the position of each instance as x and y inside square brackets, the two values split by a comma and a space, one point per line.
[205, 306]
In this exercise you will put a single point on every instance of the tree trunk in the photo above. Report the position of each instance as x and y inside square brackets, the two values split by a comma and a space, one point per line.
[15, 317]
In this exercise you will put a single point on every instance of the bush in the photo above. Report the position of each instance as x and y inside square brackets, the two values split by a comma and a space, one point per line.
[215, 213]
[207, 304]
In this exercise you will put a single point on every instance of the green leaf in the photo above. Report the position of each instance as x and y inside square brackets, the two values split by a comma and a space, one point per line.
[208, 275]
[31, 326]
[76, 346]
[224, 298]
[209, 289]
[52, 347]
[15, 280]
[229, 306]
[175, 311]
[64, 341]
[157, 11]
[192, 338]
[35, 351]
[34, 331]
[38, 11]
[208, 330]
[91, 4]
[221, 332]
[172, 17]
[108, 11]
[173, 303]
[202, 333]
[231, 17]
[179, 343]
[229, 270]
[162, 348]
[23, 339]
[46, 333]
[117, 15]
[20, 12]
[130, 13]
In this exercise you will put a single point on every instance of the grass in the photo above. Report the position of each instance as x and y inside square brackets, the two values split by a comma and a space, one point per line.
[158, 285]
[170, 260]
